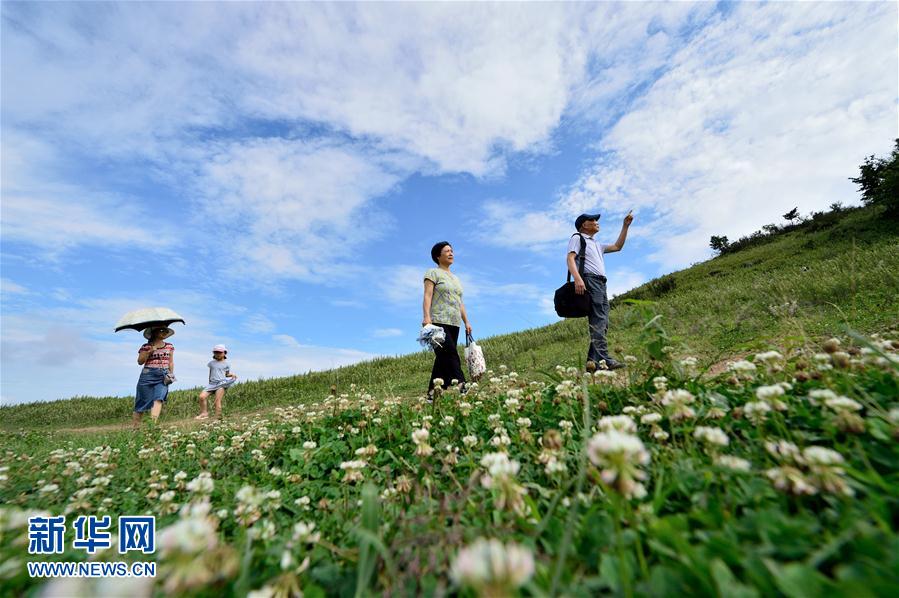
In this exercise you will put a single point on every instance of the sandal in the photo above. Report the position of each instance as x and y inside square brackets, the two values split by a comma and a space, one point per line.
[202, 416]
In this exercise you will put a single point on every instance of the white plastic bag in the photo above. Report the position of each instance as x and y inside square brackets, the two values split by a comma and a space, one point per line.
[474, 357]
[431, 336]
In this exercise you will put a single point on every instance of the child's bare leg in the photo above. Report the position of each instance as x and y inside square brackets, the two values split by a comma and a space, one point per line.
[135, 419]
[156, 410]
[203, 409]
[219, 393]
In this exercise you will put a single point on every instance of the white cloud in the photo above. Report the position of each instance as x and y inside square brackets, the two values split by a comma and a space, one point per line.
[772, 107]
[403, 284]
[622, 279]
[505, 224]
[287, 341]
[58, 216]
[387, 332]
[258, 323]
[293, 208]
[357, 97]
[8, 287]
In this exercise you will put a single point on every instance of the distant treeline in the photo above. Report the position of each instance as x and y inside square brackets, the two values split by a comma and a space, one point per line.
[813, 222]
[878, 182]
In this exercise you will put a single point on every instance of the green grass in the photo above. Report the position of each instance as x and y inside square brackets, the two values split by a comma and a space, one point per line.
[800, 286]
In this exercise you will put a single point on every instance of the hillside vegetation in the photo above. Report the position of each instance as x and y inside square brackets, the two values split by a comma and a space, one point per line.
[805, 284]
[776, 474]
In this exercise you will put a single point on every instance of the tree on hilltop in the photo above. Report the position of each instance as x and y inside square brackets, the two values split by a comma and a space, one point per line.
[792, 215]
[719, 244]
[878, 182]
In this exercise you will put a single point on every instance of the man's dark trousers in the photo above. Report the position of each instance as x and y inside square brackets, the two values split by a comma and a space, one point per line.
[598, 317]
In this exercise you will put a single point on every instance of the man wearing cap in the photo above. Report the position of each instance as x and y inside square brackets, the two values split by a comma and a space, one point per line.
[594, 282]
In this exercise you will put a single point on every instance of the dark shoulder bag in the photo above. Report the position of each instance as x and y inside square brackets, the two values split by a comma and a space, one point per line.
[567, 302]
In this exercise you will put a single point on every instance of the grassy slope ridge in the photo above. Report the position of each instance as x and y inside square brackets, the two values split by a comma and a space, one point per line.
[801, 285]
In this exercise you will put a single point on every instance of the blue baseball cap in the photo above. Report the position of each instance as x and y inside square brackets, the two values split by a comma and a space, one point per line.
[584, 218]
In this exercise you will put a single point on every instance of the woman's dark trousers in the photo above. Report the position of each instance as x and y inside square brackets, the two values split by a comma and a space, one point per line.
[447, 365]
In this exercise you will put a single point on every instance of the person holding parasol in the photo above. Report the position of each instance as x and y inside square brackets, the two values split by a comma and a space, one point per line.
[156, 356]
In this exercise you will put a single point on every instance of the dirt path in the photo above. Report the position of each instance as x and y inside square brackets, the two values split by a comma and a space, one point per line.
[187, 423]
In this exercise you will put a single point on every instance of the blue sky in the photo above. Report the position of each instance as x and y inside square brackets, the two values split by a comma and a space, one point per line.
[277, 173]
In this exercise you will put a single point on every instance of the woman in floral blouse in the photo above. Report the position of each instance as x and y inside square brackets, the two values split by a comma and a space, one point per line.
[443, 307]
[157, 357]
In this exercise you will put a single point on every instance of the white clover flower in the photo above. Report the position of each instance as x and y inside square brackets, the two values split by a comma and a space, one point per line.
[499, 465]
[733, 463]
[741, 367]
[167, 496]
[716, 413]
[438, 381]
[712, 436]
[820, 394]
[494, 419]
[493, 568]
[660, 383]
[630, 359]
[554, 466]
[622, 423]
[893, 416]
[273, 498]
[202, 484]
[420, 438]
[784, 450]
[523, 422]
[367, 451]
[843, 404]
[49, 489]
[659, 434]
[769, 356]
[791, 480]
[756, 411]
[192, 535]
[567, 389]
[651, 418]
[678, 396]
[819, 455]
[305, 532]
[180, 476]
[620, 456]
[448, 420]
[767, 393]
[470, 441]
[501, 439]
[678, 402]
[565, 426]
[353, 470]
[511, 404]
[825, 470]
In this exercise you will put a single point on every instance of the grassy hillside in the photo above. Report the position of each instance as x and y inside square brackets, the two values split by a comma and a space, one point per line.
[801, 285]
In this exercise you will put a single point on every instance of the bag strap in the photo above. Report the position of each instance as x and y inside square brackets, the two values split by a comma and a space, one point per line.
[582, 255]
[468, 339]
